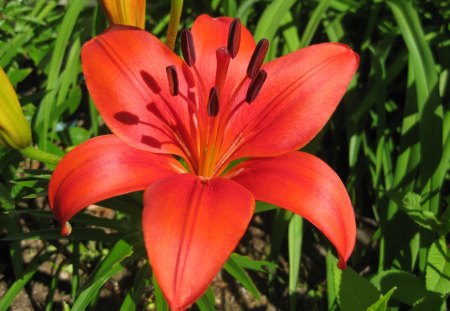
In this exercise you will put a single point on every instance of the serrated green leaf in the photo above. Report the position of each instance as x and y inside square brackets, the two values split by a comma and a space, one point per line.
[431, 301]
[355, 292]
[437, 275]
[410, 288]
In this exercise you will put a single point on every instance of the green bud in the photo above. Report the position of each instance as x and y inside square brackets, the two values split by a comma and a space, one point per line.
[15, 132]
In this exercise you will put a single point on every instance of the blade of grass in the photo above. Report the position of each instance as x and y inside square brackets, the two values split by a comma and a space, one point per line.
[132, 298]
[17, 286]
[239, 274]
[48, 104]
[295, 241]
[161, 303]
[271, 19]
[429, 103]
[109, 266]
[314, 22]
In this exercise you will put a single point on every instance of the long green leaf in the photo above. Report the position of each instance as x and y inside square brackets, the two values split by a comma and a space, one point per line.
[295, 241]
[15, 288]
[109, 266]
[48, 103]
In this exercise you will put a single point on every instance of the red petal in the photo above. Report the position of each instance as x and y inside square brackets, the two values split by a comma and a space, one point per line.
[305, 185]
[101, 168]
[125, 70]
[301, 92]
[190, 228]
[211, 34]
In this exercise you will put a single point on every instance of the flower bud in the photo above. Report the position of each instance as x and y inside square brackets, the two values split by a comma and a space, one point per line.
[15, 132]
[125, 12]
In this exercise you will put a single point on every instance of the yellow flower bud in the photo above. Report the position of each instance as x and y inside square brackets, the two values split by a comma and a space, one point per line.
[125, 12]
[15, 132]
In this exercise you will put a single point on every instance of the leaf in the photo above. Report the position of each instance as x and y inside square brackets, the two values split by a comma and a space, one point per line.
[429, 103]
[48, 103]
[382, 303]
[6, 201]
[109, 266]
[78, 135]
[271, 19]
[82, 234]
[426, 219]
[432, 301]
[264, 207]
[133, 297]
[295, 241]
[206, 302]
[246, 262]
[355, 292]
[233, 268]
[17, 286]
[313, 22]
[161, 303]
[410, 288]
[437, 277]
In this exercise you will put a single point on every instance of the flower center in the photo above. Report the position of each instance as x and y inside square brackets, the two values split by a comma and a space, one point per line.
[211, 110]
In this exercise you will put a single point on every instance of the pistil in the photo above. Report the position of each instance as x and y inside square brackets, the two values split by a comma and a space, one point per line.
[223, 58]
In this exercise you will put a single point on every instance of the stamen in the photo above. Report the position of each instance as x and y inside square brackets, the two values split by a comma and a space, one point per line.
[213, 103]
[255, 86]
[187, 47]
[257, 58]
[223, 61]
[172, 77]
[234, 37]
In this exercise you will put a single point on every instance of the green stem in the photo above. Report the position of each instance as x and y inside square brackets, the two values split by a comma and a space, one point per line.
[40, 155]
[175, 14]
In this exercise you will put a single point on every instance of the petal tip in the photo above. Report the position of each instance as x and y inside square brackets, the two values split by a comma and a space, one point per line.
[342, 264]
[66, 229]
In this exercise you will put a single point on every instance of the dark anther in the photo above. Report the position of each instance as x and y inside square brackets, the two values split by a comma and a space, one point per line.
[172, 77]
[257, 58]
[234, 37]
[187, 47]
[255, 86]
[213, 103]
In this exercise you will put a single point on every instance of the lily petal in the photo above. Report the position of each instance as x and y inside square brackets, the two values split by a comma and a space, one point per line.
[101, 168]
[300, 94]
[125, 70]
[211, 34]
[307, 186]
[190, 227]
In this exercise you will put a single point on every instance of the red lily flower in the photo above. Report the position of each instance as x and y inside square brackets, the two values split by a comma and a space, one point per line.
[218, 105]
